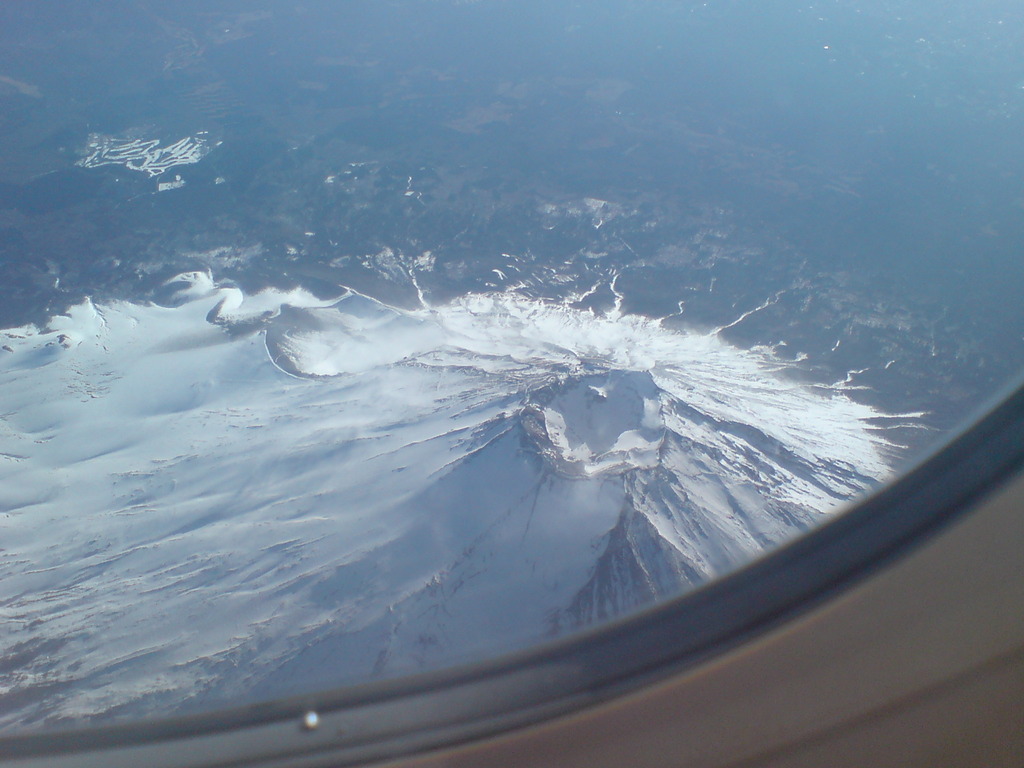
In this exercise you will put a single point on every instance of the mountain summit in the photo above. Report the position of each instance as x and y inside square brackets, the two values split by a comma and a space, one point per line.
[336, 489]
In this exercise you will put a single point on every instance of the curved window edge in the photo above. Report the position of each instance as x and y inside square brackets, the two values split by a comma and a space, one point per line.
[408, 716]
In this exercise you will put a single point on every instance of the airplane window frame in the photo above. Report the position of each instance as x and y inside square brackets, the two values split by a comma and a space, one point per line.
[407, 716]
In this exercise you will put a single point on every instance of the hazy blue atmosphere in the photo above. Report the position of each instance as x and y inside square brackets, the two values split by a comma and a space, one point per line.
[348, 340]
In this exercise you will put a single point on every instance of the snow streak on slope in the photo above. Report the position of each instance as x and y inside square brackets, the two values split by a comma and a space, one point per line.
[244, 495]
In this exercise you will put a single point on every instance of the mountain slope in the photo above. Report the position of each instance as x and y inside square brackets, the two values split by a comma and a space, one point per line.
[234, 496]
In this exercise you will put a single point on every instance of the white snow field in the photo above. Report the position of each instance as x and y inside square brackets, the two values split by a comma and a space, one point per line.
[242, 496]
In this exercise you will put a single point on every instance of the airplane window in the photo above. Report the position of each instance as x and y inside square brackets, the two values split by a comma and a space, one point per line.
[346, 343]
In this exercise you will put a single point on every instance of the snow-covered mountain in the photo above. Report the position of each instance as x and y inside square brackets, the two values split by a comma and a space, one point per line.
[237, 495]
